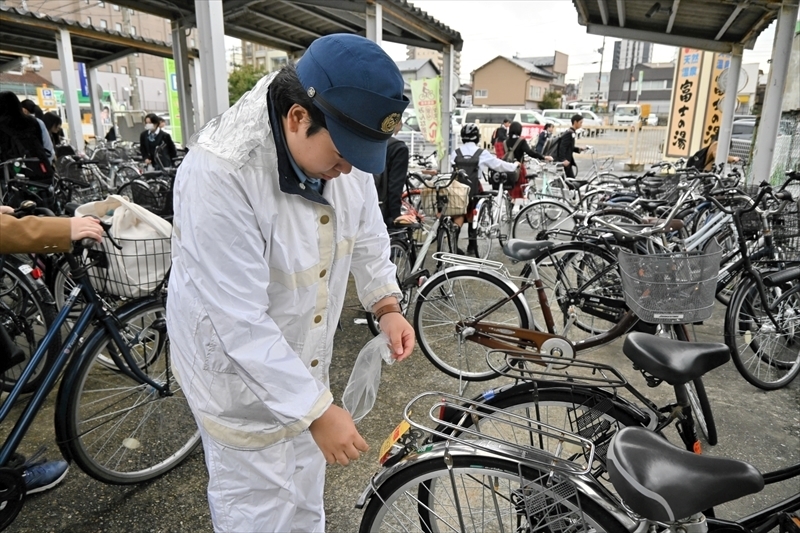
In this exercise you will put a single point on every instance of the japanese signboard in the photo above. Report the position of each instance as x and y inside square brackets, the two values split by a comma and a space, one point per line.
[46, 97]
[684, 102]
[713, 115]
[172, 100]
[427, 103]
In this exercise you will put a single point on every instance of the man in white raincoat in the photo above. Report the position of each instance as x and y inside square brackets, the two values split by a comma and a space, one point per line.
[273, 209]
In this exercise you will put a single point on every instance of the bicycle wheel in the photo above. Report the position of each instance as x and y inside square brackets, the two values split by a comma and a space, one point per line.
[27, 318]
[468, 492]
[698, 399]
[118, 430]
[483, 229]
[767, 356]
[537, 221]
[583, 280]
[448, 301]
[400, 255]
[594, 414]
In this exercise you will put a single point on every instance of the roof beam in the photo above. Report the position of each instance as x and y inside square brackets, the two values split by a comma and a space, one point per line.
[251, 12]
[167, 10]
[313, 13]
[358, 23]
[603, 11]
[111, 57]
[419, 27]
[258, 37]
[583, 13]
[418, 42]
[621, 12]
[668, 39]
[673, 13]
[738, 9]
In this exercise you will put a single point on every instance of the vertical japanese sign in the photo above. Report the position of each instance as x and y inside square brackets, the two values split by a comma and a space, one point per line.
[172, 100]
[427, 103]
[684, 102]
[84, 79]
[713, 117]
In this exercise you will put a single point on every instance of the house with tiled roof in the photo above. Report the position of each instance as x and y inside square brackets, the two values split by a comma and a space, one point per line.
[518, 81]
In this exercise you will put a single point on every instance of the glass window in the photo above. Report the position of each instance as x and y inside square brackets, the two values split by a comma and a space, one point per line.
[138, 72]
[103, 23]
[111, 68]
[89, 21]
[193, 45]
[118, 27]
[133, 30]
[115, 6]
[101, 4]
[481, 93]
[124, 70]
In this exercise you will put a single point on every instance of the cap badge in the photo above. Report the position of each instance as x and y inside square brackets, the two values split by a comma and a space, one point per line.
[311, 92]
[390, 122]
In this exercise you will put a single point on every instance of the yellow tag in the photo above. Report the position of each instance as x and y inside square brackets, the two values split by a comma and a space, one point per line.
[398, 432]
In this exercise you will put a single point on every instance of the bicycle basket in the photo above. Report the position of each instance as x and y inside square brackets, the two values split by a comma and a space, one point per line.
[457, 195]
[671, 288]
[134, 271]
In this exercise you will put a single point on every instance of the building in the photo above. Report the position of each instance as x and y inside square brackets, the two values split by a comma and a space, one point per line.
[518, 82]
[655, 89]
[141, 70]
[589, 87]
[414, 53]
[262, 57]
[625, 50]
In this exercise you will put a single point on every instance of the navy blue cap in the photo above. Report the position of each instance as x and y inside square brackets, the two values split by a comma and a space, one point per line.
[360, 90]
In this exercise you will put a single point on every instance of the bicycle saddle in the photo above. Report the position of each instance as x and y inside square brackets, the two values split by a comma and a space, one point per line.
[676, 362]
[660, 481]
[520, 250]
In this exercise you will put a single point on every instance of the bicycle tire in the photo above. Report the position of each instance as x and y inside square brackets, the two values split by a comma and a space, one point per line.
[125, 420]
[698, 399]
[484, 220]
[765, 359]
[399, 255]
[27, 319]
[438, 313]
[536, 219]
[510, 492]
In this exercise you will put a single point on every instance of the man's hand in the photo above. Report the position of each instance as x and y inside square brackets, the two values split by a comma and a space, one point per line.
[6, 210]
[400, 333]
[337, 436]
[565, 163]
[548, 158]
[83, 227]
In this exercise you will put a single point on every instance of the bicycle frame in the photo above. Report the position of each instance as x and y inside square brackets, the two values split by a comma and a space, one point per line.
[93, 312]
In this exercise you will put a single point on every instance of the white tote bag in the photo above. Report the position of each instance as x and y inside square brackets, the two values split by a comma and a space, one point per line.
[144, 260]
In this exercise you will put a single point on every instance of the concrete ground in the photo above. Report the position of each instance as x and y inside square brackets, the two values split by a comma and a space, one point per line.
[760, 427]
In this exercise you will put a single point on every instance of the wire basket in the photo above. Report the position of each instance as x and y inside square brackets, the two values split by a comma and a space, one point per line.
[671, 288]
[786, 232]
[457, 195]
[153, 195]
[136, 270]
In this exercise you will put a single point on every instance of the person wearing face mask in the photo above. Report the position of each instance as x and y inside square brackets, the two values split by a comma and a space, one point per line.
[275, 206]
[156, 145]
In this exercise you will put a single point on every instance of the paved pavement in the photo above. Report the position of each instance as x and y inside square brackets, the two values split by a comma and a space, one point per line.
[757, 426]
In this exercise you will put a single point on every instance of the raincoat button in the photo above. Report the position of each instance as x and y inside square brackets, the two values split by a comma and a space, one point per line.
[317, 319]
[303, 186]
[324, 219]
[315, 362]
[322, 273]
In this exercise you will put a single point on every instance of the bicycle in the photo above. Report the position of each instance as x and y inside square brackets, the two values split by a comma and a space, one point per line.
[120, 413]
[402, 248]
[491, 217]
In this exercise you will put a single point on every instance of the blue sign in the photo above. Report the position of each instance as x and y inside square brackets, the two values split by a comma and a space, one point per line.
[83, 79]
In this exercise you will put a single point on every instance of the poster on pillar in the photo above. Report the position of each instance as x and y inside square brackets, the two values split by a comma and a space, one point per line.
[713, 118]
[172, 101]
[684, 102]
[427, 101]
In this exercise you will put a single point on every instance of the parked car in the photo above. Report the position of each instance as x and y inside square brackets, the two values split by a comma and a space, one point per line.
[652, 119]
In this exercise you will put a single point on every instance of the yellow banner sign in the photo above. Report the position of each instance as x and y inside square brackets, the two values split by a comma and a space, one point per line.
[713, 117]
[427, 103]
[684, 102]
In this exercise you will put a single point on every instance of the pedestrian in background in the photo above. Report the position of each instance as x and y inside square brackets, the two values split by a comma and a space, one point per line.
[567, 148]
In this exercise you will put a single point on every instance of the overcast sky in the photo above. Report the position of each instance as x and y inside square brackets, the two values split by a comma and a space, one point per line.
[537, 28]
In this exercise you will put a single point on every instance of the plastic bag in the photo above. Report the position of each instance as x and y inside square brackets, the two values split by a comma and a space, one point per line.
[362, 387]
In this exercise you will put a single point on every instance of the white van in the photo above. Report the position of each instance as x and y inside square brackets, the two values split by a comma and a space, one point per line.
[489, 119]
[628, 115]
[559, 117]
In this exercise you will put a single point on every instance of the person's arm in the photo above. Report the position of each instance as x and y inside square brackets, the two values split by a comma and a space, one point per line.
[44, 235]
[397, 172]
[495, 163]
[173, 153]
[143, 147]
[526, 148]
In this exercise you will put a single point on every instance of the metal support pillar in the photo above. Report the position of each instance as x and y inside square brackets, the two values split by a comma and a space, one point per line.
[374, 23]
[96, 102]
[771, 111]
[196, 81]
[181, 54]
[64, 46]
[211, 32]
[729, 105]
[446, 88]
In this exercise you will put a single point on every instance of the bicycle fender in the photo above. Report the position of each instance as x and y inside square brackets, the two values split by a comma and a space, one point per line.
[474, 223]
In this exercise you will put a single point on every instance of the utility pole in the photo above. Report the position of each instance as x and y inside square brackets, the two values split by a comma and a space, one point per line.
[599, 77]
[126, 27]
[630, 74]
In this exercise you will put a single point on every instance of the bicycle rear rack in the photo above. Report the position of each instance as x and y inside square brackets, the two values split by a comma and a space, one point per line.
[563, 447]
[528, 366]
[480, 264]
